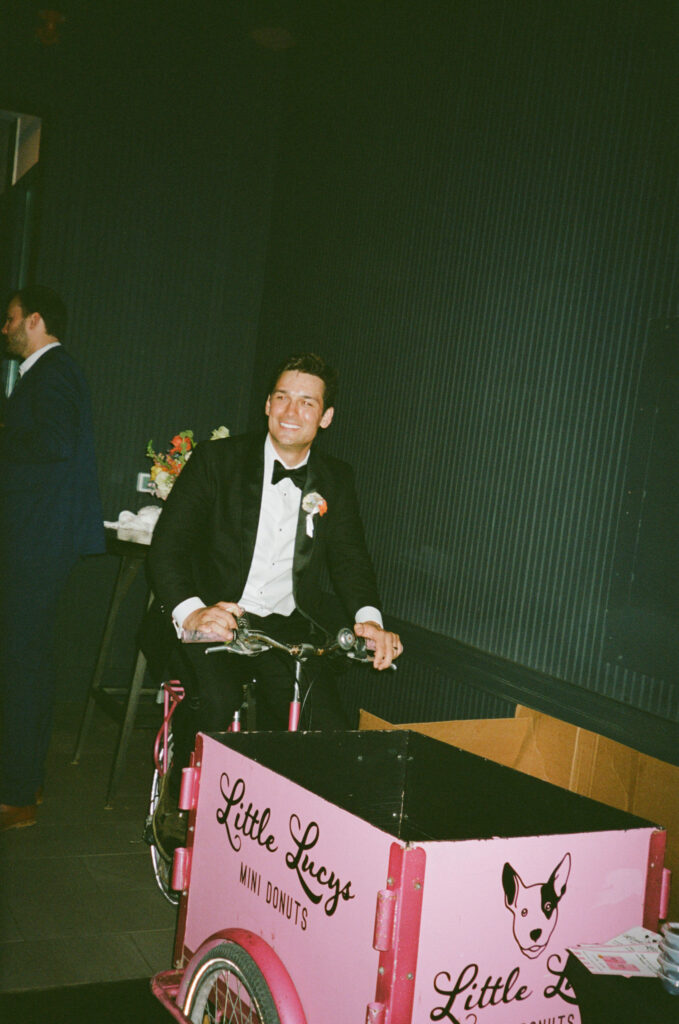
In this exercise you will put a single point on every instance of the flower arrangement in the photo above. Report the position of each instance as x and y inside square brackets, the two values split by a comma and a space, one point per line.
[168, 465]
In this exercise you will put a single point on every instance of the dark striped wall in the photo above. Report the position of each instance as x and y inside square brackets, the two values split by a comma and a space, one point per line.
[470, 208]
[159, 147]
[477, 218]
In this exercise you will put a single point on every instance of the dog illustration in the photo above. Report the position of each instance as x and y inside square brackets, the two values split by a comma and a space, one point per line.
[535, 907]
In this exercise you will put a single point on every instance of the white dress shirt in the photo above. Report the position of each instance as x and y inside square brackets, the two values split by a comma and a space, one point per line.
[268, 588]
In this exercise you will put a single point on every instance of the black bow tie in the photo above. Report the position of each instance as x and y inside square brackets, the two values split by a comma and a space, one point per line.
[298, 476]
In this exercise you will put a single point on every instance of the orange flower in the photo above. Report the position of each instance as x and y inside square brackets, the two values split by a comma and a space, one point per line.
[180, 443]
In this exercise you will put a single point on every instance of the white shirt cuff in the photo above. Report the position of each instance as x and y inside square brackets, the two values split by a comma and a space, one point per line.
[192, 604]
[183, 609]
[369, 614]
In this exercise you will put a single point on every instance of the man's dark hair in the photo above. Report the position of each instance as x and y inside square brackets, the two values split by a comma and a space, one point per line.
[309, 362]
[37, 298]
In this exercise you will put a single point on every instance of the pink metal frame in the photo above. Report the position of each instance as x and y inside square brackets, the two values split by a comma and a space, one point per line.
[657, 885]
[182, 858]
[181, 864]
[173, 694]
[295, 709]
[165, 987]
[397, 934]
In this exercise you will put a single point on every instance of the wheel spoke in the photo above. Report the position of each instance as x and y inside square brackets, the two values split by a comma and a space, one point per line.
[229, 1001]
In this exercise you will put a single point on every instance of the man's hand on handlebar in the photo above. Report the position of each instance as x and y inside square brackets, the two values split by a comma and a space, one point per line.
[386, 646]
[216, 622]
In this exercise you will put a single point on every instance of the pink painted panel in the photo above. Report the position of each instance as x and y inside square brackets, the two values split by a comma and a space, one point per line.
[498, 915]
[296, 870]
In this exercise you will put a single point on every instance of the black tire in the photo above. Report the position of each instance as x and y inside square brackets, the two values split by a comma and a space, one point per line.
[228, 986]
[162, 867]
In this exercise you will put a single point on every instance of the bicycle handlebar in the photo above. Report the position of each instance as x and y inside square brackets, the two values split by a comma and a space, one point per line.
[251, 642]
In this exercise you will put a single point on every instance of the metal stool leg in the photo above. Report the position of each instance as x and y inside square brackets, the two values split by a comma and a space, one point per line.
[127, 571]
[126, 727]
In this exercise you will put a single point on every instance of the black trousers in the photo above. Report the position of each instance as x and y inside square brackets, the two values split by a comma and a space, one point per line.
[213, 685]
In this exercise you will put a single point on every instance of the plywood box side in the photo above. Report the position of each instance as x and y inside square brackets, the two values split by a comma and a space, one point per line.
[584, 762]
[624, 778]
[607, 770]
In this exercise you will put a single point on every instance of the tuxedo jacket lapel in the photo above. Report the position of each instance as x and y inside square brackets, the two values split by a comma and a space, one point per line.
[253, 474]
[303, 542]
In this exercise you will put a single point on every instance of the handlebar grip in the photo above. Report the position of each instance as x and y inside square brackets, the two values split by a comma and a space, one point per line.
[360, 647]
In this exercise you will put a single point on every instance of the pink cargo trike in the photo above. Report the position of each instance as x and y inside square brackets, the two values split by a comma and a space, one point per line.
[337, 878]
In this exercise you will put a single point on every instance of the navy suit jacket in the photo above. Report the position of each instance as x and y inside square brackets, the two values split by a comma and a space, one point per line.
[50, 511]
[204, 540]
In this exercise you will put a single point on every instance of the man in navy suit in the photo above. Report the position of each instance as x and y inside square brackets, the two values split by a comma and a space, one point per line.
[50, 514]
[239, 534]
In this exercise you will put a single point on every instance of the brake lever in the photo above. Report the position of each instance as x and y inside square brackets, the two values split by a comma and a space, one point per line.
[243, 641]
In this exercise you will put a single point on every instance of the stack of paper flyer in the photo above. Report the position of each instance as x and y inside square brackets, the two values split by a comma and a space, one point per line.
[633, 954]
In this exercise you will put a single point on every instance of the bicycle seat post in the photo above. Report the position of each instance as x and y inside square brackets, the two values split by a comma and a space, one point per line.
[295, 705]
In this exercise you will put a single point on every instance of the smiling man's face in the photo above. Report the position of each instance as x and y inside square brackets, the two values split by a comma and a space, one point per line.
[295, 411]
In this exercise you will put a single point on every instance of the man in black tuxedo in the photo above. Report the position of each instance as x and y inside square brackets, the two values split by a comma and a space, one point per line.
[239, 534]
[50, 514]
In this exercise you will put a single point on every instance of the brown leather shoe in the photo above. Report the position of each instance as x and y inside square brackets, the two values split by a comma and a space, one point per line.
[16, 817]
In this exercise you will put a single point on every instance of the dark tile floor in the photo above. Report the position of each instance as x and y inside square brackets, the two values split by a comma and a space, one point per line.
[78, 900]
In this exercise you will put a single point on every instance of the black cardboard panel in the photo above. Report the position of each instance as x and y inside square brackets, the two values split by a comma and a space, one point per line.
[416, 788]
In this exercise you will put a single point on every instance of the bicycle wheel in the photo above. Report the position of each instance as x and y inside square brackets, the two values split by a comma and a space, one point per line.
[162, 868]
[228, 987]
